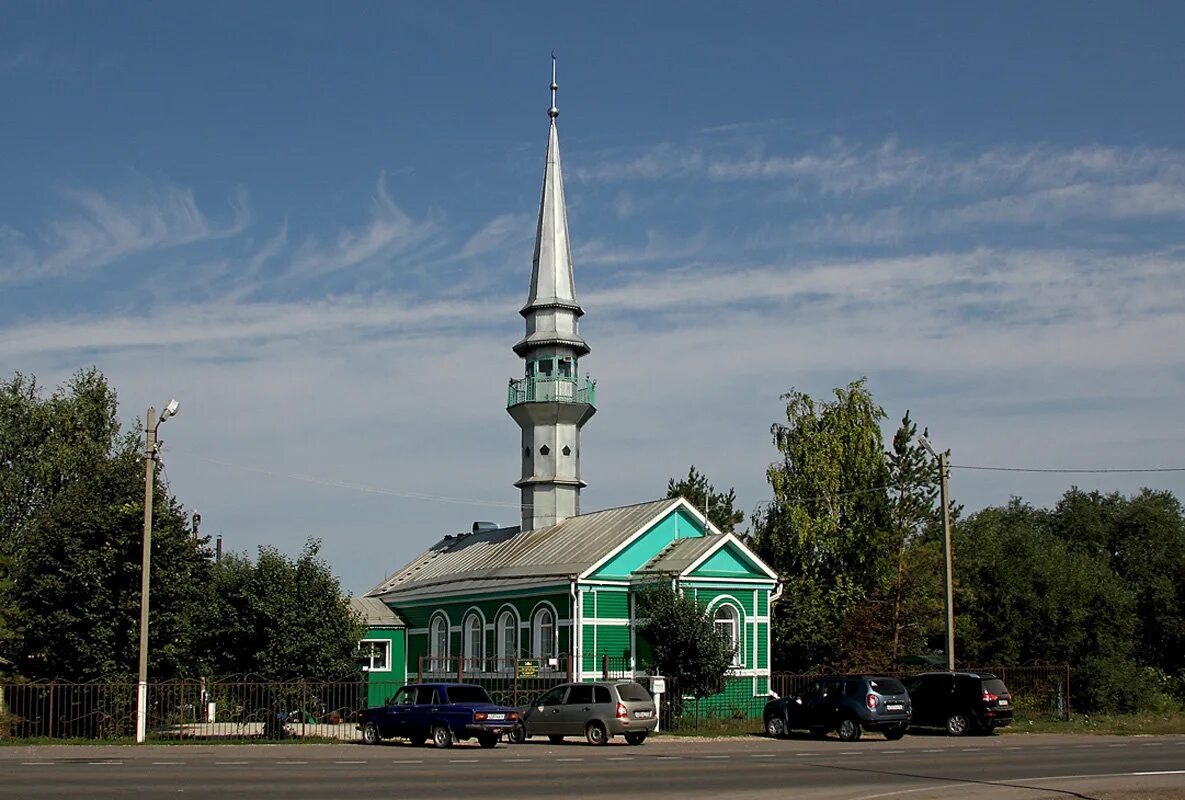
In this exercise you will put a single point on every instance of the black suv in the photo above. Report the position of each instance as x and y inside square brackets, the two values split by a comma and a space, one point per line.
[849, 704]
[961, 702]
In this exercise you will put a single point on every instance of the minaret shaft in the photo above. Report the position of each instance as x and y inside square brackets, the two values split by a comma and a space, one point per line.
[551, 402]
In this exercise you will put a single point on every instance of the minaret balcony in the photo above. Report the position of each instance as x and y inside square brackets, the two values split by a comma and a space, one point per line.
[548, 389]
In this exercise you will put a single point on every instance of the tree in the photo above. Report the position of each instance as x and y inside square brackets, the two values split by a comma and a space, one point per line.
[282, 617]
[718, 507]
[826, 531]
[913, 509]
[71, 517]
[684, 642]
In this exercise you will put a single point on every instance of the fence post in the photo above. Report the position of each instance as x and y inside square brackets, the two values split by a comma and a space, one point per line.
[605, 667]
[304, 705]
[420, 669]
[181, 712]
[51, 686]
[460, 669]
[568, 659]
[1067, 692]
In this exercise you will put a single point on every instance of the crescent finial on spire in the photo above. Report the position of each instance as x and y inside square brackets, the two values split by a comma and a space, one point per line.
[553, 112]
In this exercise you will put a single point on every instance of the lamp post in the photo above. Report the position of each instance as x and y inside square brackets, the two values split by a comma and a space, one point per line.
[151, 447]
[950, 603]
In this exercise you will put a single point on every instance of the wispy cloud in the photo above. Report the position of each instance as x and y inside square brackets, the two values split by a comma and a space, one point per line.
[106, 228]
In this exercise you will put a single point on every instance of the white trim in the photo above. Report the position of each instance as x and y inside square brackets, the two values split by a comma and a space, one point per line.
[438, 615]
[576, 634]
[608, 623]
[515, 624]
[603, 560]
[589, 584]
[757, 581]
[730, 538]
[471, 613]
[386, 646]
[555, 631]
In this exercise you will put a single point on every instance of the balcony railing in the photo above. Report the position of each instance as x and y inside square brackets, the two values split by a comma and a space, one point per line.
[551, 390]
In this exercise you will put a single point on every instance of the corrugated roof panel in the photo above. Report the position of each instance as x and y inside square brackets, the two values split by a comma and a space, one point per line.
[569, 547]
[681, 554]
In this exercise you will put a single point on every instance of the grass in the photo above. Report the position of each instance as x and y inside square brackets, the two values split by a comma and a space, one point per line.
[1114, 724]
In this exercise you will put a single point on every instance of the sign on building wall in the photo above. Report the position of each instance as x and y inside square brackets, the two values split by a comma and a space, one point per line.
[528, 668]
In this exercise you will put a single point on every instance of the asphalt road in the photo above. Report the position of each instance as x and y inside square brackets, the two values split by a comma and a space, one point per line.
[915, 768]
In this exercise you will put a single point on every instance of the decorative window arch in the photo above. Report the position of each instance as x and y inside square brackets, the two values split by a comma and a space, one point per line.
[727, 620]
[438, 644]
[543, 635]
[473, 642]
[506, 639]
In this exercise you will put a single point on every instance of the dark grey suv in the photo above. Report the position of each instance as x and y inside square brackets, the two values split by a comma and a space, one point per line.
[848, 704]
[597, 711]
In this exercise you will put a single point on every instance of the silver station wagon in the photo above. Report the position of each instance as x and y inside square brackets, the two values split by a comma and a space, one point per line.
[597, 711]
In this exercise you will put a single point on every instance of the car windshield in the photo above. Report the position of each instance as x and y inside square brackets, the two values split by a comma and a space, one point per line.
[633, 692]
[467, 694]
[887, 686]
[995, 686]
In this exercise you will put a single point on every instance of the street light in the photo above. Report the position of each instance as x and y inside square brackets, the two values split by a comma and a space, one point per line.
[151, 448]
[950, 603]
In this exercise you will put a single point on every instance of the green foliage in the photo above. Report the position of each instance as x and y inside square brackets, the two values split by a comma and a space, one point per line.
[719, 507]
[282, 617]
[71, 522]
[684, 642]
[827, 530]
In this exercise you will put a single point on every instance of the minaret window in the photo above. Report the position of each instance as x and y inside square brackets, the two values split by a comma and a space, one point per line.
[567, 450]
[545, 367]
[565, 368]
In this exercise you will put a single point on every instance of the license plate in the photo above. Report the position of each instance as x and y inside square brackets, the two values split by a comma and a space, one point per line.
[642, 714]
[1003, 703]
[894, 706]
[496, 716]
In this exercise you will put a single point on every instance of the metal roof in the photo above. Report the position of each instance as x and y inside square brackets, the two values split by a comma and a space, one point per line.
[374, 612]
[499, 556]
[681, 554]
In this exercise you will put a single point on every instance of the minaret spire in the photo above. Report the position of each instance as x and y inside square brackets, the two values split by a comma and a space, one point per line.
[551, 402]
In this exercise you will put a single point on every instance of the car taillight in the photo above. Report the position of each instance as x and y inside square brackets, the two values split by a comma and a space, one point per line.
[621, 712]
[479, 715]
[512, 716]
[988, 697]
[871, 699]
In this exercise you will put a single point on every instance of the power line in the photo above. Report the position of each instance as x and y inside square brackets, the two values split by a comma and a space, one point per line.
[1067, 471]
[358, 487]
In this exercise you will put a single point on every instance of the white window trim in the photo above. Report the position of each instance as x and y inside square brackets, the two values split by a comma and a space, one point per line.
[437, 661]
[385, 645]
[473, 662]
[507, 613]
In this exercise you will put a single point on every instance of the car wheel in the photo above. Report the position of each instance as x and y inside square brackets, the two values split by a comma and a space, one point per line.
[441, 735]
[893, 734]
[517, 735]
[596, 733]
[555, 738]
[775, 727]
[849, 730]
[487, 740]
[637, 737]
[370, 734]
[957, 724]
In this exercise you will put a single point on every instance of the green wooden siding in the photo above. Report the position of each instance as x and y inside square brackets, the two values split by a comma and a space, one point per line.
[608, 604]
[678, 524]
[381, 685]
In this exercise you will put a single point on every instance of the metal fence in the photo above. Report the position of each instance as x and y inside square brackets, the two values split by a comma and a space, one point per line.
[251, 707]
[1038, 692]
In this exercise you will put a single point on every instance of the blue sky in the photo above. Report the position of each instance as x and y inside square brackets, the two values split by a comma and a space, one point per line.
[313, 223]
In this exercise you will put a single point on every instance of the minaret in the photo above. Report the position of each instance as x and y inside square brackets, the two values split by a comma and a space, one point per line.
[551, 402]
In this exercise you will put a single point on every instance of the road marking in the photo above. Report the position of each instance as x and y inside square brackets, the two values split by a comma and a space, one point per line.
[103, 763]
[763, 755]
[290, 763]
[569, 759]
[37, 763]
[972, 749]
[408, 761]
[849, 753]
[935, 750]
[349, 762]
[892, 752]
[167, 763]
[680, 758]
[229, 763]
[1013, 747]
[714, 758]
[508, 760]
[1162, 772]
[621, 758]
[1153, 744]
[1118, 745]
[462, 761]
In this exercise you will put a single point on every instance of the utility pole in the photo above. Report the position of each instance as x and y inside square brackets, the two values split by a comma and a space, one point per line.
[944, 474]
[150, 453]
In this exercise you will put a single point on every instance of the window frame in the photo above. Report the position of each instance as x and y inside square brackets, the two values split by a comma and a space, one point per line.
[733, 622]
[438, 661]
[506, 623]
[382, 644]
[473, 624]
[537, 636]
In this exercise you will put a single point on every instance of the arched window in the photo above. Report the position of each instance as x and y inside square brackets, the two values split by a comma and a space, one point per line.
[473, 643]
[543, 633]
[727, 621]
[438, 645]
[507, 638]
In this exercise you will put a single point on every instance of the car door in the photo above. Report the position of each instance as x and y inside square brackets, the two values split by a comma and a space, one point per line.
[824, 712]
[395, 714]
[419, 717]
[543, 717]
[577, 710]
